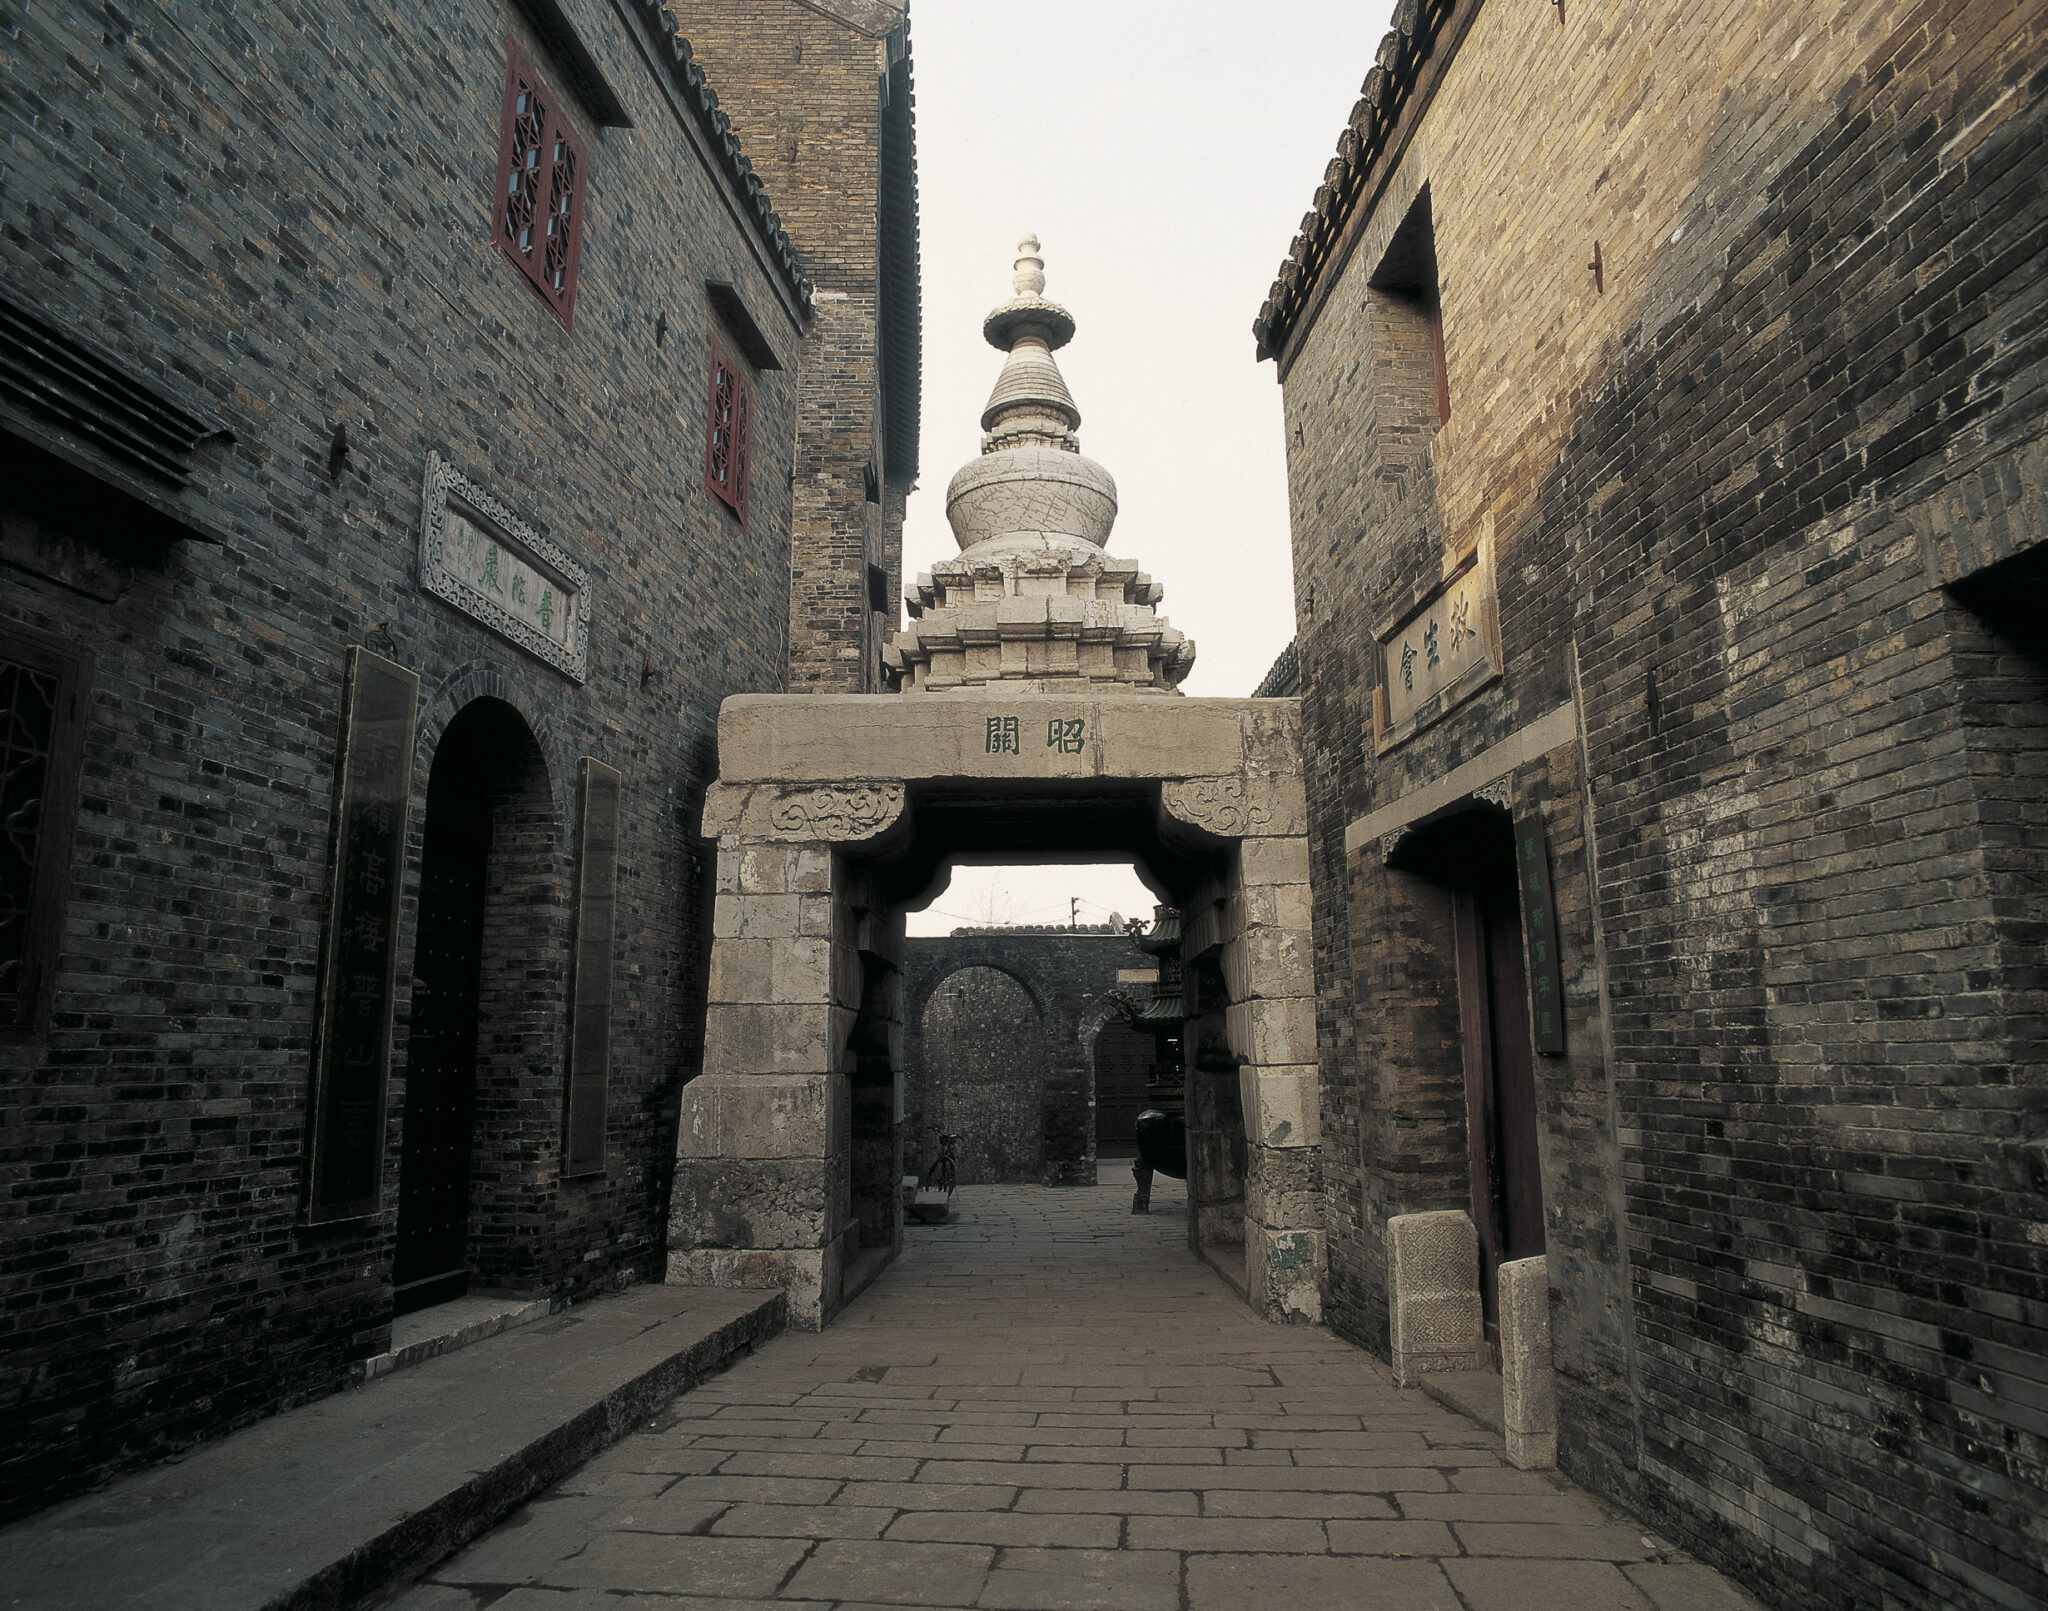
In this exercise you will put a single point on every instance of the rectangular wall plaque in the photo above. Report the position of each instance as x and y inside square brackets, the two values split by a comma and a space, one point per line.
[590, 1018]
[352, 1044]
[1437, 655]
[1539, 924]
[494, 567]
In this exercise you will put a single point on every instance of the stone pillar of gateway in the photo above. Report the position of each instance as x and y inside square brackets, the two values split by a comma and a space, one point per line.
[1039, 718]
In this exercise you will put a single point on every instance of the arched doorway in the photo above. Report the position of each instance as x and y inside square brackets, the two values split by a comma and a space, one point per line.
[984, 1069]
[838, 816]
[490, 909]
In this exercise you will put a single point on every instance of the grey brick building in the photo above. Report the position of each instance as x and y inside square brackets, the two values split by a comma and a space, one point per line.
[400, 409]
[821, 92]
[1664, 405]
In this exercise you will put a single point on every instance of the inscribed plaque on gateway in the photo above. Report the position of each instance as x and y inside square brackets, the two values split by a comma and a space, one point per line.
[491, 565]
[352, 1055]
[1438, 652]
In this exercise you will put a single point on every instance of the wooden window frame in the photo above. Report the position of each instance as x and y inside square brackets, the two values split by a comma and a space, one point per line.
[726, 477]
[56, 818]
[551, 274]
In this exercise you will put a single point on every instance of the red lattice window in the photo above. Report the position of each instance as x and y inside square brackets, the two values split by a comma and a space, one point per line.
[542, 175]
[728, 448]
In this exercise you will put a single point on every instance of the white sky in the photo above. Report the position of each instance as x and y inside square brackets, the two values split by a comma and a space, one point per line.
[1165, 155]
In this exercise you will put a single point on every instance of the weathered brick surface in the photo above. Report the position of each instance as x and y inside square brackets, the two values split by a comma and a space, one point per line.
[1792, 1160]
[285, 212]
[813, 90]
[999, 1040]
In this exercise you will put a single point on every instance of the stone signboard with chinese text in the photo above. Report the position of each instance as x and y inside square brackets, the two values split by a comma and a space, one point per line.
[1439, 653]
[491, 565]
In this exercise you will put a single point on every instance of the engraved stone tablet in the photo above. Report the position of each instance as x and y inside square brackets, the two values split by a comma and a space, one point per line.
[1437, 655]
[352, 1052]
[491, 565]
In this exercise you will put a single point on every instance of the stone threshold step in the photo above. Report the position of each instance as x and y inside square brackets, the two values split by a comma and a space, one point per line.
[429, 1333]
[326, 1506]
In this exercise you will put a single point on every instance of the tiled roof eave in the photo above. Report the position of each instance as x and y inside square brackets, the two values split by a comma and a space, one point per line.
[723, 144]
[1425, 33]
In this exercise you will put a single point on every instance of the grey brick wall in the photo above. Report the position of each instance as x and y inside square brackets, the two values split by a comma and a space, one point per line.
[805, 86]
[285, 211]
[1735, 499]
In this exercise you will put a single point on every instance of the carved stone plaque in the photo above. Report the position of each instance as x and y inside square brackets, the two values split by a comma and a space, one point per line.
[493, 566]
[352, 1055]
[1438, 653]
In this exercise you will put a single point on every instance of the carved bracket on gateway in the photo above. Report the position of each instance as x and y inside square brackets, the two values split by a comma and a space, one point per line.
[824, 813]
[1236, 806]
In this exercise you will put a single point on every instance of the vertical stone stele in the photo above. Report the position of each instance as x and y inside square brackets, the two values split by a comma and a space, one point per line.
[1433, 1296]
[1528, 1385]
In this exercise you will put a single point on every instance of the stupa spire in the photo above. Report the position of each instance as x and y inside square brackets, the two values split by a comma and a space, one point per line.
[1033, 604]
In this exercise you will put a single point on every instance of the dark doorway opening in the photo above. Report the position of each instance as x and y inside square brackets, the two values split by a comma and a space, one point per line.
[1123, 1057]
[1473, 854]
[488, 814]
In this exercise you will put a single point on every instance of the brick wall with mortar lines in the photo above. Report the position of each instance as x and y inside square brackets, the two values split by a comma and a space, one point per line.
[1793, 1217]
[803, 90]
[288, 214]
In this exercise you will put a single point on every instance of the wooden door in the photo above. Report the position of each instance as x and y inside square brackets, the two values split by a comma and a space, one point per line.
[430, 1265]
[1500, 1077]
[1122, 1055]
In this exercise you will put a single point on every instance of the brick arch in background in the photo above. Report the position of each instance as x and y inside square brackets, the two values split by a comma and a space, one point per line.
[1069, 976]
[985, 1060]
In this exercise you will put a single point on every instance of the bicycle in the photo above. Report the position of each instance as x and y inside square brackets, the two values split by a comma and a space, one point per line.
[942, 1173]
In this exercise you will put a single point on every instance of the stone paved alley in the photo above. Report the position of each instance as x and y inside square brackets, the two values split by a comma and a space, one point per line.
[1050, 1404]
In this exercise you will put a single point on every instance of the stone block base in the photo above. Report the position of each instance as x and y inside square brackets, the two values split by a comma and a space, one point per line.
[809, 1277]
[1528, 1385]
[1433, 1276]
[1285, 1273]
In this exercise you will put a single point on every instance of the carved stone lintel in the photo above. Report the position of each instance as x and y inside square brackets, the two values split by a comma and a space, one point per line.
[837, 812]
[1230, 807]
[1500, 792]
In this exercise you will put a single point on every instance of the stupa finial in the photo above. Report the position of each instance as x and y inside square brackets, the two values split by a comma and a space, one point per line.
[1034, 603]
[1029, 279]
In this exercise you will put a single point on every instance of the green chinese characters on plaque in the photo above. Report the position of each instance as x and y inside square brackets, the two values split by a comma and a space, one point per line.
[1004, 735]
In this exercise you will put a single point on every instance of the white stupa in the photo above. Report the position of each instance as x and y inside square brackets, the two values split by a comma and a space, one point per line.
[1033, 604]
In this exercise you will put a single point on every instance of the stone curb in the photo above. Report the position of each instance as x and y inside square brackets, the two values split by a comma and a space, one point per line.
[424, 1537]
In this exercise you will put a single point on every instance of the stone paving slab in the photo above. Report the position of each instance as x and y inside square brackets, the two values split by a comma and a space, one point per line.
[1049, 1405]
[326, 1505]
